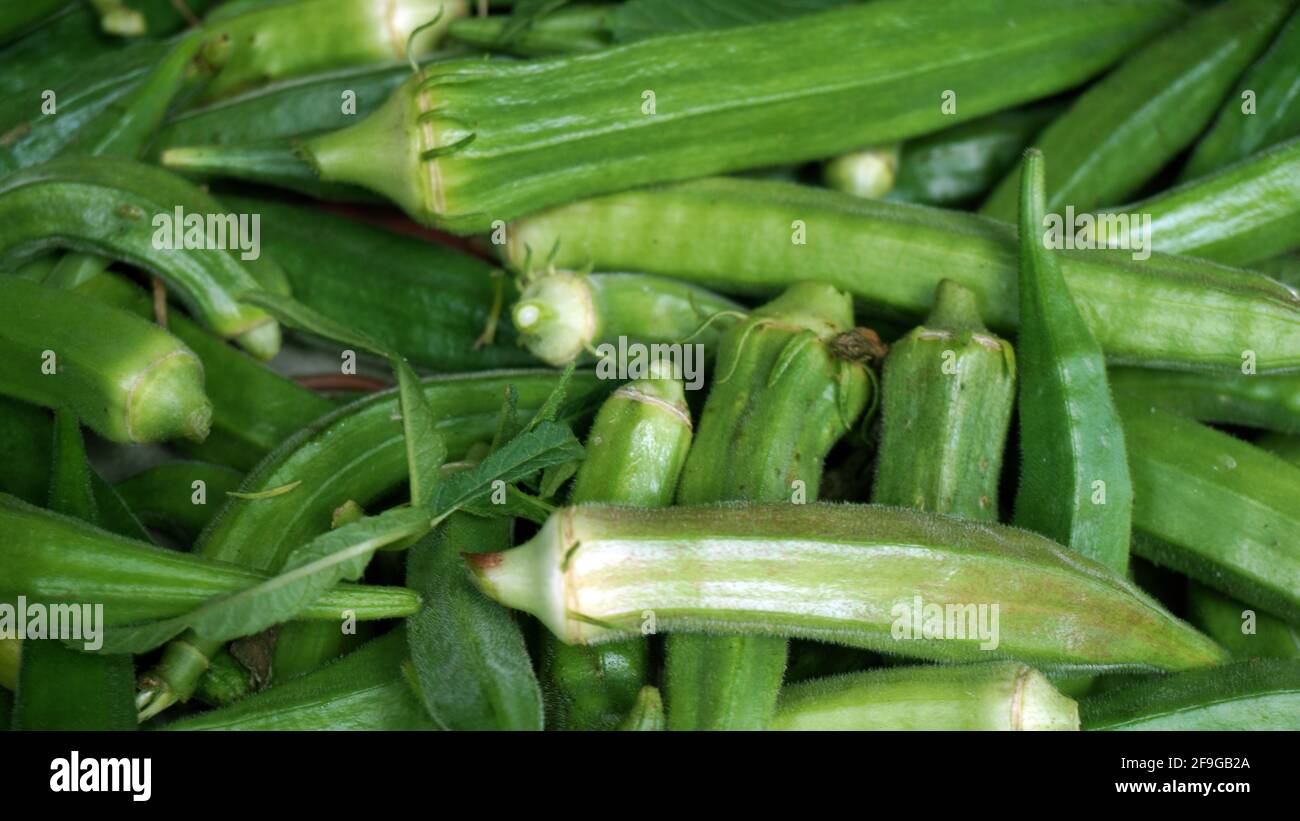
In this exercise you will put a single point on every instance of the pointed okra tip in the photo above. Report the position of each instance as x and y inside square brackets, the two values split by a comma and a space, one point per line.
[956, 309]
[167, 400]
[529, 577]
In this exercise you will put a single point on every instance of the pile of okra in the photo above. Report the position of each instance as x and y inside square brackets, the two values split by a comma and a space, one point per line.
[644, 365]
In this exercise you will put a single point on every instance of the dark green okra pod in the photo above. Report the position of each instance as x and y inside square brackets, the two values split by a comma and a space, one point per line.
[127, 379]
[1125, 128]
[178, 498]
[1245, 632]
[577, 28]
[790, 381]
[1074, 477]
[860, 575]
[1252, 695]
[948, 388]
[1216, 508]
[741, 236]
[1271, 402]
[991, 696]
[364, 690]
[635, 452]
[561, 316]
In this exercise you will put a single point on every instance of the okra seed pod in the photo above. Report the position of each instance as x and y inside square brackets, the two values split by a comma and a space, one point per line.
[860, 575]
[1258, 695]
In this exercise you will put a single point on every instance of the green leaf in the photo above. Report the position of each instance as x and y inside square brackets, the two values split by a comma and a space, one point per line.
[550, 443]
[518, 505]
[508, 422]
[426, 450]
[639, 19]
[468, 653]
[292, 313]
[551, 407]
[309, 571]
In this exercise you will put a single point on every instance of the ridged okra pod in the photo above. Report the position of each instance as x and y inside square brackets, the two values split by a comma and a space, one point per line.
[1216, 508]
[125, 378]
[860, 575]
[355, 454]
[578, 28]
[562, 315]
[990, 696]
[178, 498]
[52, 558]
[364, 690]
[948, 388]
[740, 236]
[635, 452]
[129, 211]
[1242, 214]
[790, 381]
[470, 142]
[1253, 695]
[1074, 477]
[290, 39]
[1121, 131]
[1271, 402]
[1245, 632]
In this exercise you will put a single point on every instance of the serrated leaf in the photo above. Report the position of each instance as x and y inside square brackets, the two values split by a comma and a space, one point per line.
[551, 407]
[508, 421]
[639, 19]
[518, 505]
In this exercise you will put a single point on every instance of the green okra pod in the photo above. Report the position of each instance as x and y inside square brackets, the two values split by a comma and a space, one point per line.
[467, 143]
[364, 690]
[1271, 402]
[1287, 447]
[1253, 695]
[561, 315]
[1074, 477]
[1241, 214]
[635, 452]
[178, 498]
[989, 696]
[126, 379]
[1264, 110]
[11, 650]
[50, 558]
[753, 237]
[948, 389]
[1125, 128]
[847, 574]
[291, 39]
[1245, 632]
[1213, 507]
[790, 381]
[576, 28]
[16, 19]
[128, 211]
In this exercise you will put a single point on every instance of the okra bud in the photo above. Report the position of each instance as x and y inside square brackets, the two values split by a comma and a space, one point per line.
[992, 696]
[948, 389]
[868, 576]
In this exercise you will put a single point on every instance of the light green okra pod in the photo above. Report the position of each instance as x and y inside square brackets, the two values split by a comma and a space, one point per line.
[948, 388]
[741, 236]
[990, 696]
[861, 575]
[1259, 695]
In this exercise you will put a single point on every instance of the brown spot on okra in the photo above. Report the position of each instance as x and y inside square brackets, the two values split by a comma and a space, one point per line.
[482, 561]
[858, 345]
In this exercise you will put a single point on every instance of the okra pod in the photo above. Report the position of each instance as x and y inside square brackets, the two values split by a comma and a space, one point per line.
[635, 452]
[15, 19]
[178, 498]
[1213, 507]
[1265, 110]
[356, 454]
[254, 409]
[128, 380]
[1241, 214]
[54, 559]
[1253, 695]
[364, 690]
[562, 315]
[1241, 630]
[647, 713]
[791, 380]
[26, 439]
[948, 388]
[860, 575]
[577, 28]
[1074, 478]
[990, 696]
[753, 237]
[1287, 447]
[126, 210]
[446, 144]
[1126, 127]
[291, 39]
[11, 650]
[1270, 402]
